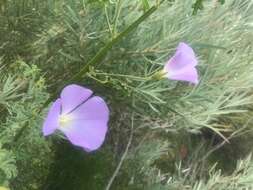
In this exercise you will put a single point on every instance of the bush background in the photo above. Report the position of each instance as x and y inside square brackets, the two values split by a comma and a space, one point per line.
[169, 134]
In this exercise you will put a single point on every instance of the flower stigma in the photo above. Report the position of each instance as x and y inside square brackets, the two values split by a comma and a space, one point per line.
[64, 120]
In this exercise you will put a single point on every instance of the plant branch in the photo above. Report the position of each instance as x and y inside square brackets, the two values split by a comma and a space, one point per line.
[122, 158]
[103, 52]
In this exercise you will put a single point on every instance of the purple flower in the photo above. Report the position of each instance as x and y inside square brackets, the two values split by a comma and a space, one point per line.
[80, 116]
[182, 65]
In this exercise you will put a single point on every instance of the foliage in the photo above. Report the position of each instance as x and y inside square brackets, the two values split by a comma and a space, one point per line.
[198, 5]
[7, 166]
[184, 136]
[22, 95]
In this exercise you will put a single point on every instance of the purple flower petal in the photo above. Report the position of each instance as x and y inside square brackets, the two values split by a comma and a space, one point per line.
[182, 65]
[184, 56]
[51, 121]
[72, 96]
[186, 74]
[82, 118]
[88, 124]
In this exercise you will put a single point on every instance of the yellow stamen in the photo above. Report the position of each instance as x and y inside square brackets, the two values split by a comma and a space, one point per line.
[64, 120]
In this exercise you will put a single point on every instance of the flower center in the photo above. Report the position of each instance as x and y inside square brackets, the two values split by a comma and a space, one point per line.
[64, 120]
[159, 75]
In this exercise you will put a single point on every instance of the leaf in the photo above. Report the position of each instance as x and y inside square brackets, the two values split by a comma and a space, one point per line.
[222, 1]
[211, 46]
[7, 165]
[198, 5]
[145, 5]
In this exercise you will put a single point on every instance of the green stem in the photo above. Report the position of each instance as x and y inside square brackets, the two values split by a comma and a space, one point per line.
[125, 76]
[103, 52]
[116, 17]
[107, 19]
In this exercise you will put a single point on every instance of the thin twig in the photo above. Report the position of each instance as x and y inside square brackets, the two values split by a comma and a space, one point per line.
[122, 159]
[103, 51]
[107, 19]
[115, 19]
[233, 135]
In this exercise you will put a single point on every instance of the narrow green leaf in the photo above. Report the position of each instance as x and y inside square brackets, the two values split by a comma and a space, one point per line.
[103, 52]
[211, 46]
[145, 5]
[198, 5]
[222, 1]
